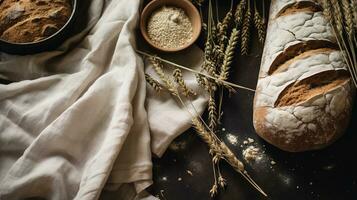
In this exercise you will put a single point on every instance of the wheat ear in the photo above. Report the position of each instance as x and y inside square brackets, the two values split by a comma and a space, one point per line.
[348, 17]
[223, 27]
[158, 67]
[259, 24]
[337, 13]
[246, 31]
[212, 112]
[354, 8]
[239, 14]
[187, 92]
[153, 83]
[228, 55]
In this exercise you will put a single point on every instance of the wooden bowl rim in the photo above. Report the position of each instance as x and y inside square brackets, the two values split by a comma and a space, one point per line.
[159, 3]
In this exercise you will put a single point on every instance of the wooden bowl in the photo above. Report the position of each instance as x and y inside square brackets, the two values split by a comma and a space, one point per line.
[185, 5]
[47, 44]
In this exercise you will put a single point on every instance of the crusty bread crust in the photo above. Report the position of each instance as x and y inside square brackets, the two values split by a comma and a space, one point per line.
[304, 93]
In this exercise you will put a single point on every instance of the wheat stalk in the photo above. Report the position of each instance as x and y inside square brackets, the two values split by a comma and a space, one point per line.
[177, 74]
[238, 15]
[245, 31]
[259, 24]
[153, 83]
[228, 55]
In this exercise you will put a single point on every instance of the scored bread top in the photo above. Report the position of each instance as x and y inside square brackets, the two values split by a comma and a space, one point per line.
[304, 94]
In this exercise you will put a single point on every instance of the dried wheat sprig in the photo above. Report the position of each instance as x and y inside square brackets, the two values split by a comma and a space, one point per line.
[348, 17]
[216, 147]
[209, 67]
[221, 181]
[218, 53]
[187, 92]
[354, 8]
[337, 13]
[205, 83]
[158, 67]
[220, 149]
[239, 13]
[212, 112]
[223, 27]
[259, 24]
[153, 83]
[246, 31]
[214, 190]
[228, 55]
[226, 83]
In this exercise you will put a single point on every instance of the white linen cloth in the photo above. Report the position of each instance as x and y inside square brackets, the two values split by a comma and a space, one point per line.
[75, 119]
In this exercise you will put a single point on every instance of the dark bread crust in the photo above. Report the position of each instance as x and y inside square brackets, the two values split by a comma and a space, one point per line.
[304, 94]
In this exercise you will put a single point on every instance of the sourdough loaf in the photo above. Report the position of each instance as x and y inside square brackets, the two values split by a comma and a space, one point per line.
[24, 21]
[304, 93]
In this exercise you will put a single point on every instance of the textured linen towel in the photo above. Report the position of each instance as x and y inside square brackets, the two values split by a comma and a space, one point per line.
[75, 119]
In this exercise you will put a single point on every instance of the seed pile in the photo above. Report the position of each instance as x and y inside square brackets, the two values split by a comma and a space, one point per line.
[169, 27]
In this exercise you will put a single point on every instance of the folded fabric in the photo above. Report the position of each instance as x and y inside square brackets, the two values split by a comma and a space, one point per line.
[75, 119]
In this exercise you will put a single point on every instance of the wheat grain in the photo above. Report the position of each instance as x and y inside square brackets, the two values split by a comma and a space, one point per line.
[153, 83]
[246, 31]
[177, 74]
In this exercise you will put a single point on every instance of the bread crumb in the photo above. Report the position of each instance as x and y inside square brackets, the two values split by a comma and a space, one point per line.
[189, 172]
[232, 139]
[272, 162]
[245, 142]
[179, 179]
[250, 140]
[252, 154]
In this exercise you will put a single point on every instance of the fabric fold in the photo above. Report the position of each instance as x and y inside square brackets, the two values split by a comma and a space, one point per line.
[78, 119]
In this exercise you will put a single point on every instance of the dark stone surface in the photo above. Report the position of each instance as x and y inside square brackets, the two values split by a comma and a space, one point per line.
[327, 174]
